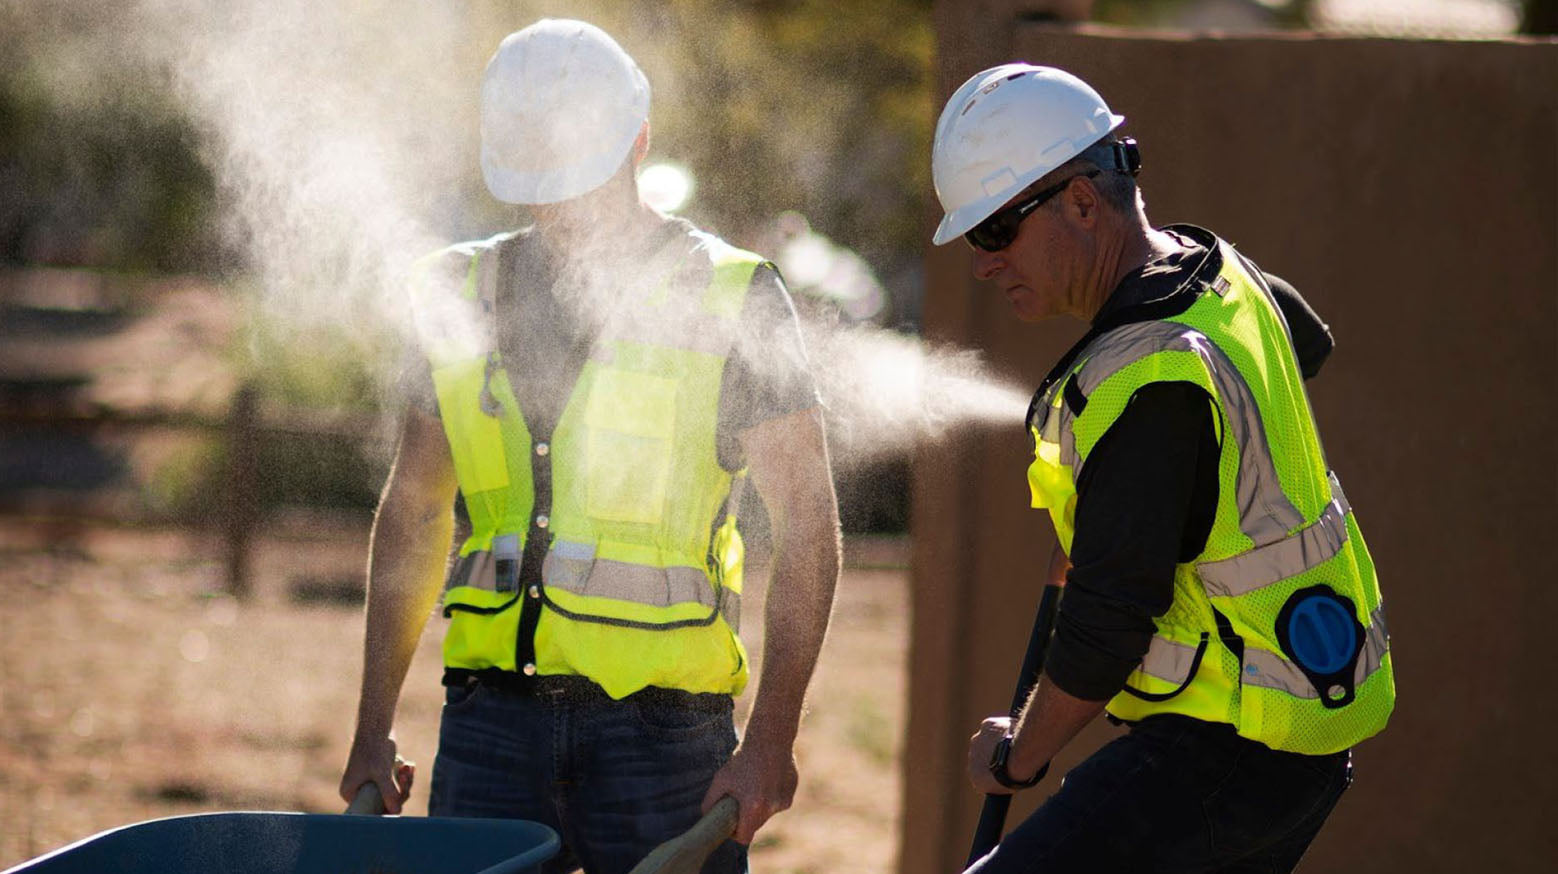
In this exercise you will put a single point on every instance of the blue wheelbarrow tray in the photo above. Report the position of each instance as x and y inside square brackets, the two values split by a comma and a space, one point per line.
[305, 843]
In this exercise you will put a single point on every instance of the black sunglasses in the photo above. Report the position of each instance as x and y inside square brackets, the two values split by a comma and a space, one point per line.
[999, 230]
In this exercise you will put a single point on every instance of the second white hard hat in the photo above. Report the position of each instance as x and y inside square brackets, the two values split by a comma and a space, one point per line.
[1004, 129]
[561, 105]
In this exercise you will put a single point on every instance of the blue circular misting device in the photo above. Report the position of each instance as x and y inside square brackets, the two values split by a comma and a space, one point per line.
[1319, 632]
[1322, 634]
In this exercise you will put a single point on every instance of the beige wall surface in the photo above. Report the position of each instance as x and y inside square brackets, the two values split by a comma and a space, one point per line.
[1410, 191]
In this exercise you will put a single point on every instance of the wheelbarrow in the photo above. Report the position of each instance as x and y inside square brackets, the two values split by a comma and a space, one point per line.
[325, 843]
[305, 843]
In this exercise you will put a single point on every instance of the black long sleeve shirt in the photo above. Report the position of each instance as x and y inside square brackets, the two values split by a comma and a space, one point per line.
[1148, 495]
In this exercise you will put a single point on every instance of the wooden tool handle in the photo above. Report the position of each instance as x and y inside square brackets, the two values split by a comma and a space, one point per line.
[367, 801]
[685, 853]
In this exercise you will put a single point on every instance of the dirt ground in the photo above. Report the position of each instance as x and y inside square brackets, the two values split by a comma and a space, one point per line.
[132, 688]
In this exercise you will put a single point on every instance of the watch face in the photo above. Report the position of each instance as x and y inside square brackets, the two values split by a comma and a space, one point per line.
[998, 756]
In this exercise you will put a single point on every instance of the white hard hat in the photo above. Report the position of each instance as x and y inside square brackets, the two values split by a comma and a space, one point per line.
[1004, 129]
[561, 105]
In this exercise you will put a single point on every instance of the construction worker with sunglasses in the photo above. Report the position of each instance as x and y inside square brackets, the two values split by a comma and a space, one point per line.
[1219, 599]
[603, 383]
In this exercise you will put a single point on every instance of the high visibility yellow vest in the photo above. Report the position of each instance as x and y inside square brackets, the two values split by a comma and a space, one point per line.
[1277, 627]
[641, 580]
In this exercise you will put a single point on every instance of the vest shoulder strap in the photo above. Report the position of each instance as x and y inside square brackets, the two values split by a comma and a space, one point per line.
[733, 271]
[463, 263]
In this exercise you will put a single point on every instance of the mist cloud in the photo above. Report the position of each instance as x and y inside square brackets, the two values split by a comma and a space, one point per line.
[343, 136]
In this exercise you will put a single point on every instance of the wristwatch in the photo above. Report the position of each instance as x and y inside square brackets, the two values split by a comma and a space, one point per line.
[998, 759]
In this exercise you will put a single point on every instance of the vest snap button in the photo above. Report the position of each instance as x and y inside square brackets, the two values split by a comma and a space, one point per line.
[530, 670]
[542, 449]
[535, 591]
[542, 520]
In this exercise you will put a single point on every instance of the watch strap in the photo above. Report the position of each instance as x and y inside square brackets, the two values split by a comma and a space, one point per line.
[998, 760]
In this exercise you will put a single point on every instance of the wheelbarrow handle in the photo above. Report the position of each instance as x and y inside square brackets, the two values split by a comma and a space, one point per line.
[367, 801]
[685, 853]
[370, 802]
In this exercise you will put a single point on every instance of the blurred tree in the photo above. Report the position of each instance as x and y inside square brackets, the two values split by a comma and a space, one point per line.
[115, 186]
[1540, 18]
[776, 105]
[805, 105]
[97, 165]
[1155, 13]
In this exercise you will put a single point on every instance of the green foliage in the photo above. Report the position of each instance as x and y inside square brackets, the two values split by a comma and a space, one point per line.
[1539, 17]
[111, 184]
[310, 470]
[775, 105]
[824, 108]
[322, 366]
[182, 482]
[869, 732]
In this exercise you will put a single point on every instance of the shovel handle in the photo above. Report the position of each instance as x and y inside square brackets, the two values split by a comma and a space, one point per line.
[992, 817]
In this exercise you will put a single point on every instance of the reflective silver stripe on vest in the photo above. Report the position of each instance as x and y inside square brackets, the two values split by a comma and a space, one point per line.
[1270, 670]
[1057, 429]
[1055, 426]
[1289, 557]
[1049, 423]
[1168, 660]
[1265, 513]
[1068, 441]
[574, 567]
[1376, 643]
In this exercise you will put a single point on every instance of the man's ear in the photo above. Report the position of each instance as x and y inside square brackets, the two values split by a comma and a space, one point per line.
[1083, 201]
[641, 145]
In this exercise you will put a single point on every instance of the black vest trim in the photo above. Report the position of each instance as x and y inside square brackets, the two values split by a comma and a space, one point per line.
[1190, 676]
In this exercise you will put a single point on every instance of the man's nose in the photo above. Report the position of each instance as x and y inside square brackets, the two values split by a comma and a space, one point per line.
[987, 264]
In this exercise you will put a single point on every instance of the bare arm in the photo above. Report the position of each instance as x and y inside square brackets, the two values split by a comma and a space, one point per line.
[789, 466]
[1049, 721]
[406, 561]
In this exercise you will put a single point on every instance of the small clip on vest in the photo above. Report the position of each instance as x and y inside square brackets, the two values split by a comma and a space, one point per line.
[489, 401]
[505, 554]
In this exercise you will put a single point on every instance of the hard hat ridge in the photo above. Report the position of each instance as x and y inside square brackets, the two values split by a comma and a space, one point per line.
[1004, 129]
[561, 106]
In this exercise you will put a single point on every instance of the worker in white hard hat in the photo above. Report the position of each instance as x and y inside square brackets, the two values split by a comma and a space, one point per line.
[604, 382]
[1219, 599]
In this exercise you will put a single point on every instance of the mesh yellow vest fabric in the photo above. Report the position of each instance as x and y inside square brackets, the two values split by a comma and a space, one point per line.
[1281, 524]
[641, 586]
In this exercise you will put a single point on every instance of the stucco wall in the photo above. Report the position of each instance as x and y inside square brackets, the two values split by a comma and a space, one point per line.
[1410, 191]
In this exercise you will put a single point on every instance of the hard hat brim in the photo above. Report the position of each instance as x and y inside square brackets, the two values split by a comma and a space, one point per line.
[958, 222]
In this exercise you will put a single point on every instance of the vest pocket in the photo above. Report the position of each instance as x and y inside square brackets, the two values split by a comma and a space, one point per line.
[631, 422]
[483, 626]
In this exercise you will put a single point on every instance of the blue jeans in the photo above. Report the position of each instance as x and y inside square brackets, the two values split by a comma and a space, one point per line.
[1178, 795]
[613, 778]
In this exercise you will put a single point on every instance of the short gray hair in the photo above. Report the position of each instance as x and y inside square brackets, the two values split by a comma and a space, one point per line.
[1117, 188]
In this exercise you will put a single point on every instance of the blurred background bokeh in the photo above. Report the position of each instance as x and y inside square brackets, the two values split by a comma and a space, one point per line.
[194, 426]
[801, 126]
